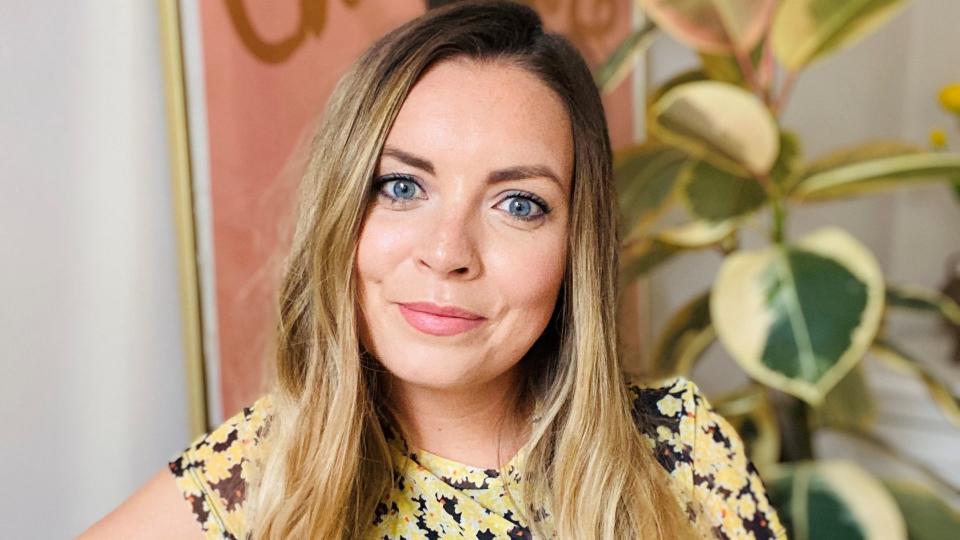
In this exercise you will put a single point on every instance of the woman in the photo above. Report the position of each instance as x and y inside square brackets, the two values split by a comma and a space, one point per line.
[447, 362]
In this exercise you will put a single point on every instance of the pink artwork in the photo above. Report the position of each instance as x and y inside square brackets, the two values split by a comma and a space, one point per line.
[257, 75]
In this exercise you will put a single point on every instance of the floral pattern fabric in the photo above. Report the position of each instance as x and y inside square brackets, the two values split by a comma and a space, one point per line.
[435, 498]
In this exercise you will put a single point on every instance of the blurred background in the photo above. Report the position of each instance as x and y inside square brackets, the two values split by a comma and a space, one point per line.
[148, 152]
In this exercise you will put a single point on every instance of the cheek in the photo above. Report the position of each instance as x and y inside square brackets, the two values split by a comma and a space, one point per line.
[529, 276]
[379, 250]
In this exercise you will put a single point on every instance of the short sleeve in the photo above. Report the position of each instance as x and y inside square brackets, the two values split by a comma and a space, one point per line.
[213, 472]
[726, 485]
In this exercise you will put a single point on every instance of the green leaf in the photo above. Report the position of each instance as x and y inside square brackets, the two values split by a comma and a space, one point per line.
[645, 178]
[621, 61]
[751, 413]
[833, 499]
[805, 30]
[928, 516]
[862, 152]
[946, 401]
[715, 194]
[920, 299]
[698, 234]
[789, 160]
[684, 77]
[852, 155]
[715, 26]
[849, 404]
[687, 335]
[720, 122]
[799, 317]
[877, 174]
[643, 255]
[725, 68]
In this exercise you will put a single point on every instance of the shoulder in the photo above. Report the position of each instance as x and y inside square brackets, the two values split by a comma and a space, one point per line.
[705, 456]
[662, 399]
[665, 412]
[213, 472]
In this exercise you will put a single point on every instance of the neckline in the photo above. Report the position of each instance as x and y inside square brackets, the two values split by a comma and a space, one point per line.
[448, 463]
[435, 462]
[458, 474]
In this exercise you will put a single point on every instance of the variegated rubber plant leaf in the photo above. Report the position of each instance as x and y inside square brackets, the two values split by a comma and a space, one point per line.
[715, 26]
[798, 317]
[834, 499]
[687, 335]
[751, 412]
[924, 300]
[719, 122]
[623, 58]
[897, 358]
[877, 174]
[805, 30]
[849, 404]
[928, 516]
[646, 177]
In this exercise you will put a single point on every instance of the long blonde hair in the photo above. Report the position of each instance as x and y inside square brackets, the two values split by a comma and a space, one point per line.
[588, 472]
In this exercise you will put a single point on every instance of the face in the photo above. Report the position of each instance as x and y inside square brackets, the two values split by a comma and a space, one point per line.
[463, 248]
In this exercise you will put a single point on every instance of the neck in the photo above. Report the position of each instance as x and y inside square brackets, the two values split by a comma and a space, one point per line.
[476, 425]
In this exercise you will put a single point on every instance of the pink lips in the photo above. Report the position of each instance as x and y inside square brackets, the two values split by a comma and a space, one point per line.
[439, 320]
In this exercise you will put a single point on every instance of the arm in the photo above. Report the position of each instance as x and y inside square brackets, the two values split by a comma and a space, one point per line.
[155, 511]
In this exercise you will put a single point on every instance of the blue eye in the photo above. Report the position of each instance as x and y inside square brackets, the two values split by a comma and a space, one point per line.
[398, 188]
[526, 206]
[404, 189]
[520, 207]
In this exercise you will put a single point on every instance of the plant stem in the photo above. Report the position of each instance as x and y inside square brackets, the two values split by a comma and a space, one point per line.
[749, 74]
[785, 89]
[779, 220]
[793, 416]
[766, 69]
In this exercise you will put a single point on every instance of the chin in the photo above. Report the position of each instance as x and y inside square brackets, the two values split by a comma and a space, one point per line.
[434, 371]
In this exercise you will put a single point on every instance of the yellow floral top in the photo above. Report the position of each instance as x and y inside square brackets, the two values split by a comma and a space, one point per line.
[435, 498]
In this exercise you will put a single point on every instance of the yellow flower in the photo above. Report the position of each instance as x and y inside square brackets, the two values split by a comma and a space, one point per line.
[938, 138]
[217, 467]
[950, 97]
[433, 519]
[669, 405]
[470, 512]
[746, 508]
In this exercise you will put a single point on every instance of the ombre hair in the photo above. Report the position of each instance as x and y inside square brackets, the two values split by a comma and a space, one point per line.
[329, 463]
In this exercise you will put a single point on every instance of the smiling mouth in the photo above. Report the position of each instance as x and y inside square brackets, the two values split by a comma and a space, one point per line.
[439, 320]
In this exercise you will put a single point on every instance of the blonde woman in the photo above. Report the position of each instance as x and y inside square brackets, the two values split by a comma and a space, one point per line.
[447, 360]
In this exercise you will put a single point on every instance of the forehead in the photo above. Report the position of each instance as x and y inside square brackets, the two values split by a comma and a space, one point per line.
[464, 109]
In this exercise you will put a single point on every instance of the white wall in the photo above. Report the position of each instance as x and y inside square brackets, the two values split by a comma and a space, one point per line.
[91, 361]
[883, 88]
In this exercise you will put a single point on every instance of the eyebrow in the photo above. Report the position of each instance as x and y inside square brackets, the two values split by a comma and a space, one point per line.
[409, 159]
[518, 172]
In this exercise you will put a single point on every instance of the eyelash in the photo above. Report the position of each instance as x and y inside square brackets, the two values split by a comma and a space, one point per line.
[526, 195]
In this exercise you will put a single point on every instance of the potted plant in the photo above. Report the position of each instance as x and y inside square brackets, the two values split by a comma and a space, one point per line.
[799, 315]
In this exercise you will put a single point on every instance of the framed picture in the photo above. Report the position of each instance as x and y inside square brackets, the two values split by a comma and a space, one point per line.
[246, 82]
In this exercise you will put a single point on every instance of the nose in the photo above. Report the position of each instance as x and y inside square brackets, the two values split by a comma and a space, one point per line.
[449, 248]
